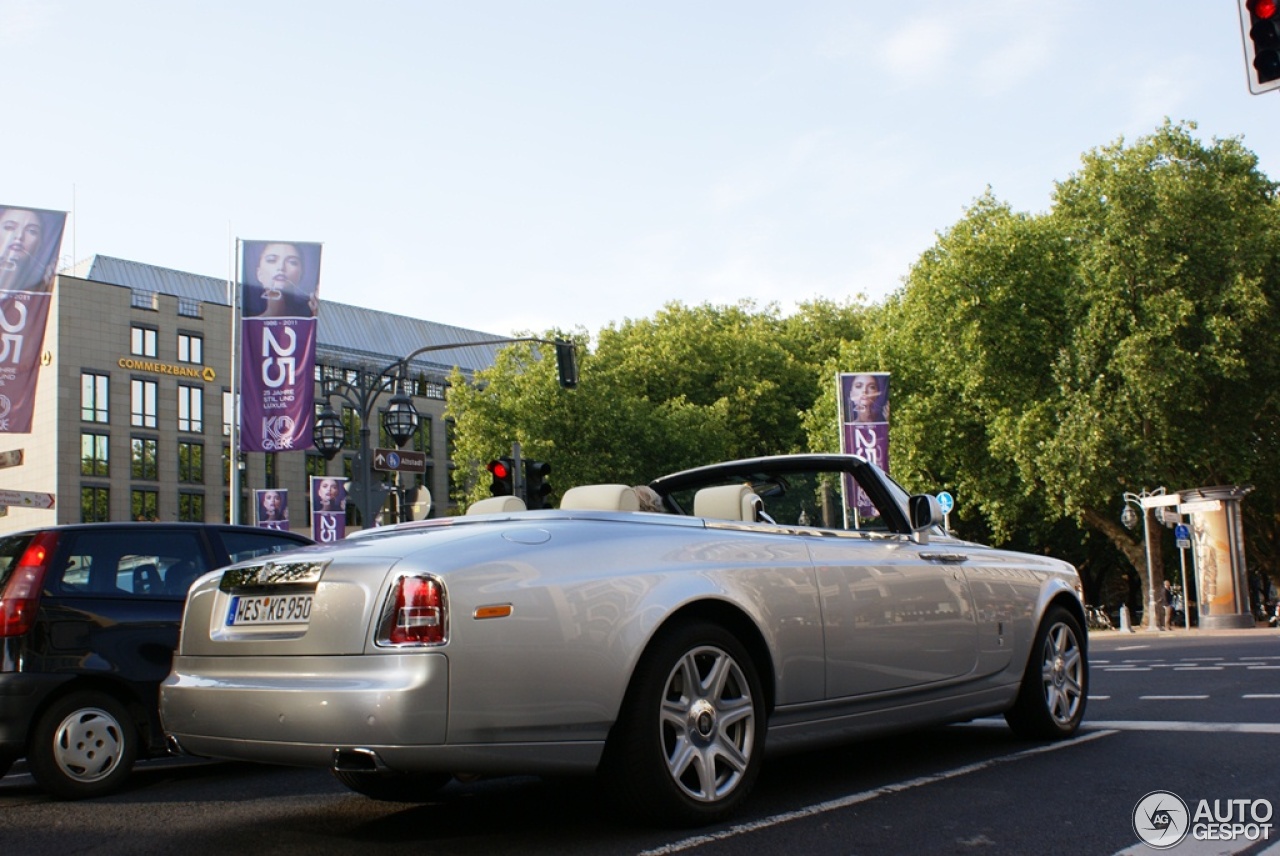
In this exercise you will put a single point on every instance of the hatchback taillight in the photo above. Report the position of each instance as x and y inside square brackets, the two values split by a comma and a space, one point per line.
[21, 596]
[414, 614]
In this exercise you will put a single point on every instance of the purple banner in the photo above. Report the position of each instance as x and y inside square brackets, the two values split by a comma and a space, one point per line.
[328, 509]
[280, 298]
[272, 508]
[30, 240]
[864, 426]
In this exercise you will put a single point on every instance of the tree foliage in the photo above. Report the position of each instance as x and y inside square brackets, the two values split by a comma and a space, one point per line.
[1042, 364]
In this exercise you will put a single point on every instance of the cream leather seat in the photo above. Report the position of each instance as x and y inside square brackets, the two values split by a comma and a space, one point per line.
[728, 502]
[600, 497]
[496, 504]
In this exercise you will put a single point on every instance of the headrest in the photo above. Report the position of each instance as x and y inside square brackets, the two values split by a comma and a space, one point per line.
[496, 505]
[727, 502]
[600, 497]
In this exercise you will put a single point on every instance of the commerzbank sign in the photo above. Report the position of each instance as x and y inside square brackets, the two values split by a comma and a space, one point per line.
[204, 373]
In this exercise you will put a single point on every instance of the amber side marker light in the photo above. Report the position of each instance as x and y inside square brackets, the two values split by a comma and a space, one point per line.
[501, 610]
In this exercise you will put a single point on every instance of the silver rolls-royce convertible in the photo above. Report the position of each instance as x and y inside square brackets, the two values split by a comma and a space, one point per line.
[772, 604]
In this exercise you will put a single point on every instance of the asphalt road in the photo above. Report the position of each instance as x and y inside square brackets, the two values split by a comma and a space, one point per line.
[1196, 715]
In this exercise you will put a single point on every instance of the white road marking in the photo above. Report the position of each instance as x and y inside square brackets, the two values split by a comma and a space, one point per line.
[1261, 695]
[1213, 727]
[864, 796]
[1172, 697]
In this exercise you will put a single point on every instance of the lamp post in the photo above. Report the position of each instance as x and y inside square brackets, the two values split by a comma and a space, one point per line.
[400, 419]
[1130, 520]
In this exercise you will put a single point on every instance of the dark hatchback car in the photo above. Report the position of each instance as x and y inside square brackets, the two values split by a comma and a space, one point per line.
[89, 618]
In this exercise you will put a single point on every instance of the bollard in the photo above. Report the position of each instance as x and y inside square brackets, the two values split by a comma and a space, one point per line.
[1125, 626]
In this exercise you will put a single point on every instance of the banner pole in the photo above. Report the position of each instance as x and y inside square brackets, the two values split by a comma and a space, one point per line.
[233, 506]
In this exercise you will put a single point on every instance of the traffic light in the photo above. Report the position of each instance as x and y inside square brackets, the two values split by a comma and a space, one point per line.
[503, 471]
[567, 363]
[536, 488]
[1260, 26]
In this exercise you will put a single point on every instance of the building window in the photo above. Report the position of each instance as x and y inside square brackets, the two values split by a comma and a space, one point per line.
[191, 463]
[351, 425]
[190, 408]
[228, 413]
[93, 455]
[315, 464]
[269, 463]
[144, 504]
[189, 307]
[190, 348]
[145, 459]
[422, 437]
[142, 403]
[142, 342]
[93, 397]
[191, 507]
[95, 505]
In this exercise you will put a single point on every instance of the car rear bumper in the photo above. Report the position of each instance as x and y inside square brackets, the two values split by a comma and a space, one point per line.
[391, 699]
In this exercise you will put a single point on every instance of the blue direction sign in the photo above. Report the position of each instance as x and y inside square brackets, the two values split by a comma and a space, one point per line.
[399, 460]
[1182, 534]
[945, 502]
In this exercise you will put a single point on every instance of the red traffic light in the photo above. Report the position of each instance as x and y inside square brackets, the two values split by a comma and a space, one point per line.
[1263, 8]
[499, 470]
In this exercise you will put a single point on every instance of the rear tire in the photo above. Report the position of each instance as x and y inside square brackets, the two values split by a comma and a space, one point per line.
[84, 745]
[689, 740]
[394, 787]
[1055, 685]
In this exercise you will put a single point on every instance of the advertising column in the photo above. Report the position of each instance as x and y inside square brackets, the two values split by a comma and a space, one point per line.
[1217, 537]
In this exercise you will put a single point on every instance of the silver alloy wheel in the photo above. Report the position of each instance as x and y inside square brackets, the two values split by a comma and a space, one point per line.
[707, 723]
[1062, 672]
[88, 744]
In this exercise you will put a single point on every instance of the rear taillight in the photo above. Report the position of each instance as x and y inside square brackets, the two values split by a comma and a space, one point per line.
[414, 614]
[21, 596]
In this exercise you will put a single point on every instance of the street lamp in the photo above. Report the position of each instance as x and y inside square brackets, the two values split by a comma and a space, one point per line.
[400, 420]
[328, 433]
[1130, 519]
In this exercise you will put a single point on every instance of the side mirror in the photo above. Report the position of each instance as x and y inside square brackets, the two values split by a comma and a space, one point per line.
[925, 514]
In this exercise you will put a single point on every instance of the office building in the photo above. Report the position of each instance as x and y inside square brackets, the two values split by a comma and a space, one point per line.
[134, 406]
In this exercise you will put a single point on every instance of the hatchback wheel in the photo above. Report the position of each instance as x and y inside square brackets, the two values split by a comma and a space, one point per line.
[83, 746]
[689, 741]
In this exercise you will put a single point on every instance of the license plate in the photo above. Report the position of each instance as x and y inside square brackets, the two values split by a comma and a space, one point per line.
[269, 609]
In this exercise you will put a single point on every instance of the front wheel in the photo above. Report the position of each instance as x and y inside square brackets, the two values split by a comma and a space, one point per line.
[394, 787]
[1051, 700]
[689, 741]
[84, 745]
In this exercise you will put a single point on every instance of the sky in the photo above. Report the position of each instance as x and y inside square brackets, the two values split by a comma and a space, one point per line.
[527, 166]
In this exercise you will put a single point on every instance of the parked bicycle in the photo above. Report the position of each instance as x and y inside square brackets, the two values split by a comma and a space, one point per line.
[1098, 618]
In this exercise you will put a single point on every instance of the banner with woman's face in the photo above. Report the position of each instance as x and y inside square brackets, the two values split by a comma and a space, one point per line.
[280, 296]
[864, 427]
[272, 508]
[328, 508]
[30, 240]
